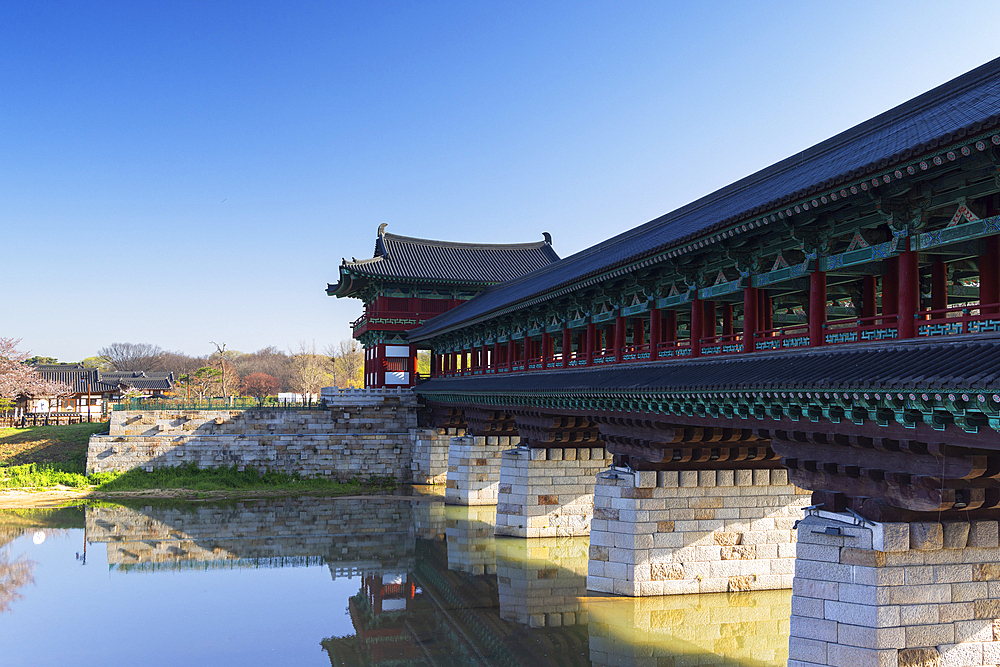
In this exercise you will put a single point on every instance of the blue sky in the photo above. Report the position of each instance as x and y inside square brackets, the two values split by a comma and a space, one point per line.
[176, 173]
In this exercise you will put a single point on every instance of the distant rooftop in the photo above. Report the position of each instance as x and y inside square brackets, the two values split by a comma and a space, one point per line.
[423, 260]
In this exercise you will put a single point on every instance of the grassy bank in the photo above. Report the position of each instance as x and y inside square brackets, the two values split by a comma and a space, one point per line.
[64, 447]
[50, 456]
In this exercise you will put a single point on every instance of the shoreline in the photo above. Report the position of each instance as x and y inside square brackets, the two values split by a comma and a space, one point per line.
[59, 496]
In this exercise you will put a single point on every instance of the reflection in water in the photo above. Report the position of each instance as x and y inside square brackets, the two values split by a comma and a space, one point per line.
[435, 587]
[14, 574]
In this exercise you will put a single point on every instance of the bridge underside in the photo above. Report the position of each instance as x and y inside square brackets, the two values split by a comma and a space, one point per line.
[894, 432]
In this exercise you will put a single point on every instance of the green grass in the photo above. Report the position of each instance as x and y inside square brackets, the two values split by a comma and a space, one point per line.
[62, 446]
[189, 477]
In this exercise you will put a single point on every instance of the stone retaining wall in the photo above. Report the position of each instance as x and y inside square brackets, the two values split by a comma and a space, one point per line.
[374, 437]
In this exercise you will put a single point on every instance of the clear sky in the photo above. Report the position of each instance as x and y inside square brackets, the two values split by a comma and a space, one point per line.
[180, 172]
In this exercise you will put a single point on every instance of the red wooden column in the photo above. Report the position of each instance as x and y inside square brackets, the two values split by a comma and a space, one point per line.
[591, 342]
[909, 292]
[939, 284]
[655, 332]
[510, 353]
[708, 331]
[413, 365]
[750, 302]
[669, 328]
[869, 296]
[817, 307]
[619, 338]
[433, 365]
[546, 349]
[496, 361]
[638, 332]
[567, 345]
[989, 273]
[464, 360]
[380, 365]
[697, 324]
[727, 319]
[890, 287]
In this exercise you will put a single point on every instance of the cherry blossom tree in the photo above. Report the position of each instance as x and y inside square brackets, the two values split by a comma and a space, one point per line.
[18, 379]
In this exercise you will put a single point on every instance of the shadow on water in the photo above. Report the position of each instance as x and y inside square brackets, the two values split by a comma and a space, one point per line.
[435, 587]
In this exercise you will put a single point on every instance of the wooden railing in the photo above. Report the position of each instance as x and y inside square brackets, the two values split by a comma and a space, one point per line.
[780, 338]
[956, 320]
[860, 329]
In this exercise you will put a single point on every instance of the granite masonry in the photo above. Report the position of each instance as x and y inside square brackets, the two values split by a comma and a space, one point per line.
[895, 594]
[548, 492]
[359, 434]
[673, 532]
[474, 468]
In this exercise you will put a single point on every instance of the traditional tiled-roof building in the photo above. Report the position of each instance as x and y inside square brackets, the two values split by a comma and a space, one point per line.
[410, 280]
[93, 389]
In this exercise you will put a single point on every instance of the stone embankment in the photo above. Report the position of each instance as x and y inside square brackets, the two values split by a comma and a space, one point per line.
[359, 433]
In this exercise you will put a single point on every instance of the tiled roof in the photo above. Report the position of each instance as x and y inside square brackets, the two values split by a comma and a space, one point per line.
[77, 377]
[967, 104]
[972, 364]
[402, 257]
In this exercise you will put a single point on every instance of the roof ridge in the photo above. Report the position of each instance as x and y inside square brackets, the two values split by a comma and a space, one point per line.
[459, 244]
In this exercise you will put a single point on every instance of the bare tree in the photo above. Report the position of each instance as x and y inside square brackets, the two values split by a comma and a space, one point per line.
[348, 363]
[222, 365]
[310, 371]
[133, 356]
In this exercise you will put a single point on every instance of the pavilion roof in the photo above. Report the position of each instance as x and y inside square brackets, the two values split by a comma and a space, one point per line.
[964, 105]
[424, 260]
[77, 377]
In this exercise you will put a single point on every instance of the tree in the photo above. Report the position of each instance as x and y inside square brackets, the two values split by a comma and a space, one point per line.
[310, 371]
[19, 379]
[222, 365]
[98, 362]
[348, 363]
[204, 381]
[260, 386]
[133, 356]
[37, 360]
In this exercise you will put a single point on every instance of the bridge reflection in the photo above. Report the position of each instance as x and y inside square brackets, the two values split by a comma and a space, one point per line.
[435, 587]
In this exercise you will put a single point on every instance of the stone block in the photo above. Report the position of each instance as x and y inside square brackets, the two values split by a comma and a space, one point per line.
[645, 479]
[688, 478]
[919, 657]
[839, 655]
[895, 537]
[956, 534]
[926, 536]
[668, 479]
[873, 638]
[983, 534]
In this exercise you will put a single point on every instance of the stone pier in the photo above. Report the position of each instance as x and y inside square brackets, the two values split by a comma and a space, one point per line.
[430, 454]
[707, 531]
[895, 594]
[474, 468]
[548, 492]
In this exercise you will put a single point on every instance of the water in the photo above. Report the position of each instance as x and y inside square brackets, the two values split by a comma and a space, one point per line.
[360, 581]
